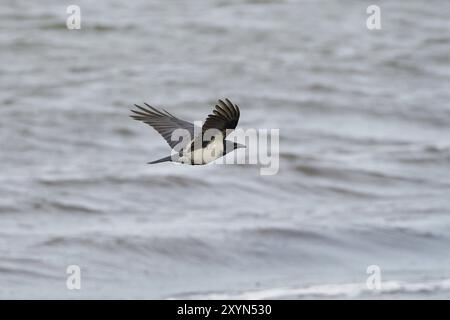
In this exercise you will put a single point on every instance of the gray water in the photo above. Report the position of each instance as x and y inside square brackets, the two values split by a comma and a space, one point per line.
[364, 179]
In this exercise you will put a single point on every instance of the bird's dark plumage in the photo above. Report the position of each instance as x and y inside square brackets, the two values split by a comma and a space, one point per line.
[163, 122]
[225, 116]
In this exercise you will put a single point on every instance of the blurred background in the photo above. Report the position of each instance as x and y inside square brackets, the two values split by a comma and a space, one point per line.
[364, 119]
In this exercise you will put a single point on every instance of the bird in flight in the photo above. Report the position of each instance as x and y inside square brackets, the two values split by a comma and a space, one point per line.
[191, 144]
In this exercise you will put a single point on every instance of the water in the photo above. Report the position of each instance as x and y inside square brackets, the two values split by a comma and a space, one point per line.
[364, 179]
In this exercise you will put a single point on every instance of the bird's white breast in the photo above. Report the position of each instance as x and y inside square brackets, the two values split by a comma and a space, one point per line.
[213, 151]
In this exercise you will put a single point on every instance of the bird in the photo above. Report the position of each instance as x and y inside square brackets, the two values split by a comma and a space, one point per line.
[195, 145]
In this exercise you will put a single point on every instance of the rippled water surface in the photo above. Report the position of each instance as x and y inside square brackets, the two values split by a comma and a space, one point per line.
[364, 179]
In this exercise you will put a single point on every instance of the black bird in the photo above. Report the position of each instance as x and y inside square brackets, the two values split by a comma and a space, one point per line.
[197, 146]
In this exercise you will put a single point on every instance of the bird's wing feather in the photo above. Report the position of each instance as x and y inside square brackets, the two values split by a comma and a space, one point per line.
[225, 116]
[164, 123]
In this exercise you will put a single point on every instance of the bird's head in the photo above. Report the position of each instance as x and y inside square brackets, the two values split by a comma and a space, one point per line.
[238, 145]
[231, 146]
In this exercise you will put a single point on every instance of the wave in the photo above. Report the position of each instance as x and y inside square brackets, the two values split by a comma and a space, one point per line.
[350, 174]
[148, 180]
[326, 291]
[188, 249]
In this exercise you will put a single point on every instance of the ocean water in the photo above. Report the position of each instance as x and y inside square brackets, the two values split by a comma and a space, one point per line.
[364, 179]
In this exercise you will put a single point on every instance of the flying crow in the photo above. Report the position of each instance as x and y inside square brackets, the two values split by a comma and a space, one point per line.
[193, 145]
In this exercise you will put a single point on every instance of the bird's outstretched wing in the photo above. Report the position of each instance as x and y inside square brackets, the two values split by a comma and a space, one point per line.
[225, 116]
[164, 123]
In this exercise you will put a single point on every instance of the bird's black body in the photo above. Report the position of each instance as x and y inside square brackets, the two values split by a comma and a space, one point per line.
[194, 149]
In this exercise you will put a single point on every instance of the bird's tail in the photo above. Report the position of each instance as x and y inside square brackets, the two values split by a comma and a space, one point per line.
[165, 159]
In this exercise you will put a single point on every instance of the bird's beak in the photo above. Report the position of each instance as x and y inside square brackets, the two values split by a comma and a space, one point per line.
[238, 145]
